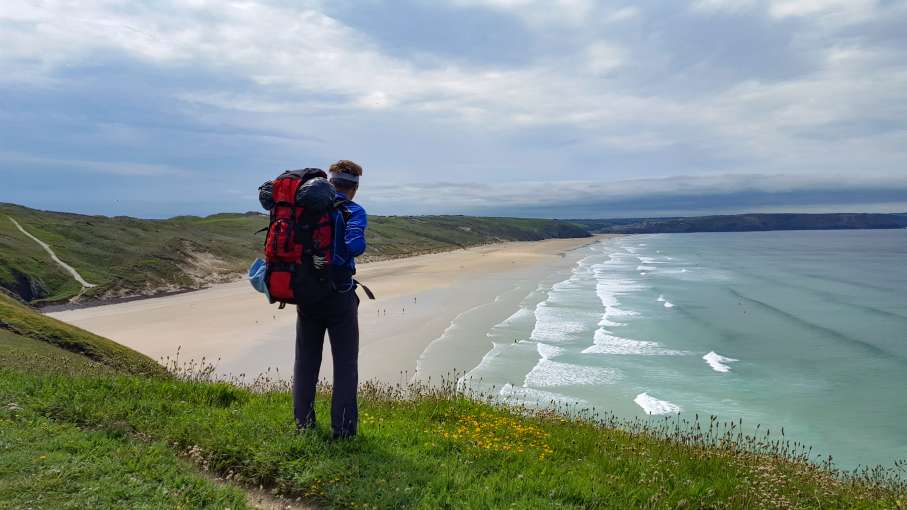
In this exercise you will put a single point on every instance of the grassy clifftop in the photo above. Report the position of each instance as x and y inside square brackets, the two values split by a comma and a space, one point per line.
[29, 338]
[122, 256]
[400, 236]
[47, 463]
[76, 433]
[130, 257]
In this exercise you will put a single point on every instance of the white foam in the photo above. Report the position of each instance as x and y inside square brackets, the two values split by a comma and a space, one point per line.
[556, 324]
[497, 350]
[549, 373]
[646, 268]
[669, 304]
[549, 351]
[608, 290]
[609, 323]
[446, 334]
[520, 315]
[606, 343]
[533, 397]
[718, 362]
[652, 405]
[661, 298]
[614, 311]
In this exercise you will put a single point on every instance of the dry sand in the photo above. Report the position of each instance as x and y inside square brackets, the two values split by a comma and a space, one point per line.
[418, 298]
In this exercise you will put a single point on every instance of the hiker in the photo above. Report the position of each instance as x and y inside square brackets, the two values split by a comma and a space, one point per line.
[337, 314]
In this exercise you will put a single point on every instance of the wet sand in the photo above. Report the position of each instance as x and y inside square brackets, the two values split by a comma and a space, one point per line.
[418, 298]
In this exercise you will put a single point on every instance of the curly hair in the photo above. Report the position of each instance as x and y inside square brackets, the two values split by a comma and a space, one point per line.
[345, 166]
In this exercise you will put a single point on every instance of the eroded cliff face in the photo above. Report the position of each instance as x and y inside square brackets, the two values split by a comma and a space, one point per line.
[27, 287]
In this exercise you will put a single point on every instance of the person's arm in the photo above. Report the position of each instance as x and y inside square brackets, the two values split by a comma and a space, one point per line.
[355, 232]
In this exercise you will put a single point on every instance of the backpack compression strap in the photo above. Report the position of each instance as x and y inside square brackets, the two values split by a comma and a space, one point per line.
[368, 291]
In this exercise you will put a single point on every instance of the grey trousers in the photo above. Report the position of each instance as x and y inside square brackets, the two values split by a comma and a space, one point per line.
[339, 316]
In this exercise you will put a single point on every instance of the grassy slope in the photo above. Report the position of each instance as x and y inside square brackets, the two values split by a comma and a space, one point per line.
[57, 464]
[79, 435]
[131, 256]
[397, 236]
[26, 269]
[17, 319]
[430, 452]
[119, 254]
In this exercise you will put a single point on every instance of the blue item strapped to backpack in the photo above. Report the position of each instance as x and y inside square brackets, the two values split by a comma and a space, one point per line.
[258, 272]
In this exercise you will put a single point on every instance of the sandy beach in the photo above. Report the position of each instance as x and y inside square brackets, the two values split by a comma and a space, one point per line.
[418, 299]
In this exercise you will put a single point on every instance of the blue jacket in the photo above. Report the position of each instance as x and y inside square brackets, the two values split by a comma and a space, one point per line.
[350, 244]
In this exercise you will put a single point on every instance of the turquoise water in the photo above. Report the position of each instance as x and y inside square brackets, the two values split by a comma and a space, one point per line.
[801, 330]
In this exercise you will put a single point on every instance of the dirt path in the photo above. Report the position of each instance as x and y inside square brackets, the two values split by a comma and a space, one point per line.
[75, 274]
[260, 498]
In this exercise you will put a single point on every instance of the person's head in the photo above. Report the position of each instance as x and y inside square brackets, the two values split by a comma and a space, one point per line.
[345, 176]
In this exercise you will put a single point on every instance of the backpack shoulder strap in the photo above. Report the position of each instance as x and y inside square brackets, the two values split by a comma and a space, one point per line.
[341, 205]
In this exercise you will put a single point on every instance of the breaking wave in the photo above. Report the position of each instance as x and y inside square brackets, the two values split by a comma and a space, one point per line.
[606, 343]
[718, 362]
[654, 406]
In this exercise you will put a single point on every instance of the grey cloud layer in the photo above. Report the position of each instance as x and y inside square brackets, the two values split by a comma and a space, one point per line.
[498, 91]
[649, 197]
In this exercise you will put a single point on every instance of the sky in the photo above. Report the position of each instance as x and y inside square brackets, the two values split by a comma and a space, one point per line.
[544, 108]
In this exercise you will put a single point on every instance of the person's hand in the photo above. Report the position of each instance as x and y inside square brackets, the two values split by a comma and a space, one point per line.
[319, 261]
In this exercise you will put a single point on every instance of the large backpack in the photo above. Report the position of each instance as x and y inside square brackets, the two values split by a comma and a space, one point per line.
[298, 247]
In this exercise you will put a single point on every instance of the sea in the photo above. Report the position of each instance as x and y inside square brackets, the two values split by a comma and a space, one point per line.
[800, 330]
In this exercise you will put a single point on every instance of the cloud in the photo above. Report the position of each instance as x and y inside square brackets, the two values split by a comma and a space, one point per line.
[488, 90]
[723, 5]
[681, 195]
[850, 10]
[117, 168]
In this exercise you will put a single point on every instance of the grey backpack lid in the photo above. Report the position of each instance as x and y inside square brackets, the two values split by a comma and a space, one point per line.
[316, 195]
[266, 190]
[266, 195]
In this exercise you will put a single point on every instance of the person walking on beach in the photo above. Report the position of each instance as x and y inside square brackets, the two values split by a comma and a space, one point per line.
[338, 315]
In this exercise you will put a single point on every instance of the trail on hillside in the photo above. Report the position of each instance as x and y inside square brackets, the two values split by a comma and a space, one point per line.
[71, 270]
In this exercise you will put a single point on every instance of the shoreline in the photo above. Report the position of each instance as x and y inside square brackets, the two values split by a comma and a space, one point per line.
[94, 303]
[418, 299]
[230, 278]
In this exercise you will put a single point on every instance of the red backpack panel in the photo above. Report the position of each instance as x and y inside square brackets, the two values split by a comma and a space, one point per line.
[298, 245]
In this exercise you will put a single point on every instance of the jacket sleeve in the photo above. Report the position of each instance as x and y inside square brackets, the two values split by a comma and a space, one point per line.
[355, 232]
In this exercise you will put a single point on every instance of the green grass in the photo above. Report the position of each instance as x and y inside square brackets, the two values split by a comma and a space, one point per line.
[79, 432]
[400, 236]
[19, 320]
[436, 450]
[57, 465]
[36, 356]
[123, 256]
[129, 256]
